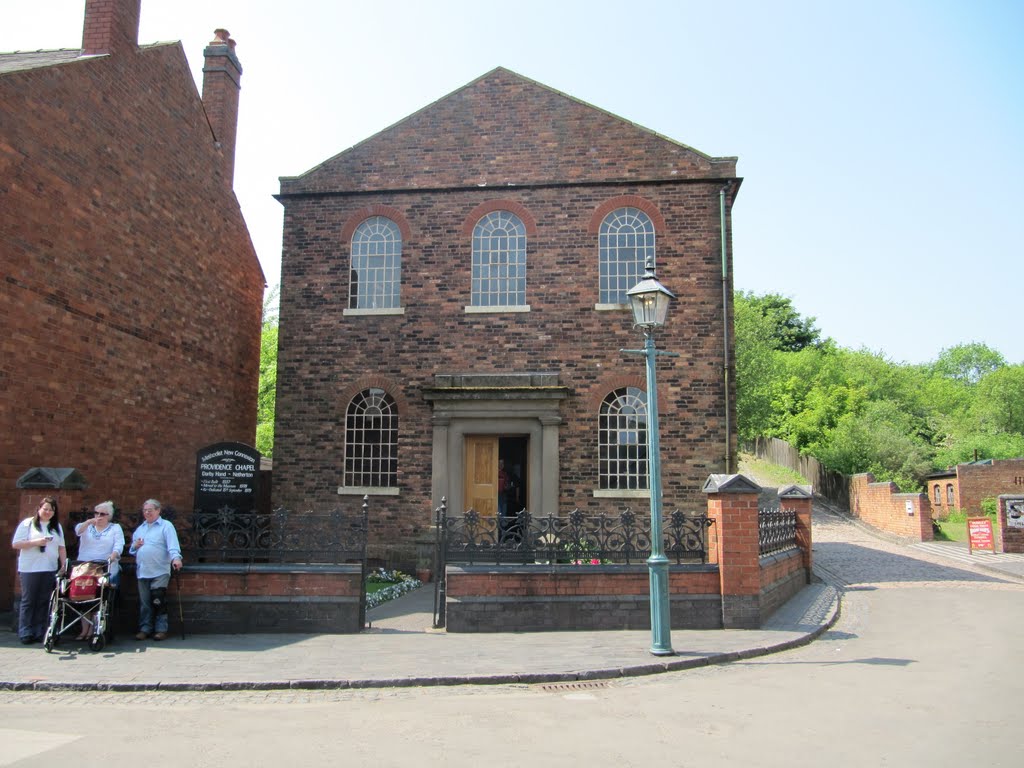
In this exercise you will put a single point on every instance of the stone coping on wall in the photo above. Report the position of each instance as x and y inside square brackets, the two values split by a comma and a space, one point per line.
[256, 568]
[777, 557]
[565, 568]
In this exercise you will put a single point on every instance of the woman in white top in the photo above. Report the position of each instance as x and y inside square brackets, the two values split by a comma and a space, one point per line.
[100, 540]
[40, 544]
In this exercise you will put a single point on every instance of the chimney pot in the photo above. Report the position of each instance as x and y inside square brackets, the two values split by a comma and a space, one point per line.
[222, 74]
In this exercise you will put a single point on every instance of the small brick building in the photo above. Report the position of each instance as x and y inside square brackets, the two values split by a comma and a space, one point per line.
[131, 298]
[453, 298]
[965, 486]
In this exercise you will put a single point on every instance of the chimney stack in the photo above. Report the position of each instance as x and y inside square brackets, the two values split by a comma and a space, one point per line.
[111, 26]
[222, 75]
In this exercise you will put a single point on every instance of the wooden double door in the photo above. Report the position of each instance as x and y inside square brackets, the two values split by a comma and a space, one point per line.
[485, 456]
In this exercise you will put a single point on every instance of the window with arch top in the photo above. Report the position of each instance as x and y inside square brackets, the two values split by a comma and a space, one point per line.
[375, 278]
[622, 440]
[371, 440]
[499, 261]
[625, 243]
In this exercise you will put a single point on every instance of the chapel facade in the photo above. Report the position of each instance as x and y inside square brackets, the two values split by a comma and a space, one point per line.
[453, 312]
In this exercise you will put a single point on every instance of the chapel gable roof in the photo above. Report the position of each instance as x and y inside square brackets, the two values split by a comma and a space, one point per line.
[504, 129]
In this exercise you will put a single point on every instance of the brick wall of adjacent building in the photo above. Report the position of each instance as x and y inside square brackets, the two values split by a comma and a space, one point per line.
[131, 297]
[943, 494]
[883, 506]
[977, 482]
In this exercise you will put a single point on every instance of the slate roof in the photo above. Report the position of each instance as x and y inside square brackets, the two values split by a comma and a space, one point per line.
[17, 61]
[20, 61]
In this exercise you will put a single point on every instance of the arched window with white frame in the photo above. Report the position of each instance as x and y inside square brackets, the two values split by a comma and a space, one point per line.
[375, 278]
[371, 440]
[499, 261]
[625, 243]
[622, 440]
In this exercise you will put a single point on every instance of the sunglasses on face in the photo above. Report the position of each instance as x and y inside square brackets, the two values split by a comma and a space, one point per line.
[102, 514]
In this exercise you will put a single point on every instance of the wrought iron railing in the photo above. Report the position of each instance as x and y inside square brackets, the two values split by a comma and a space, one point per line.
[579, 538]
[776, 530]
[228, 535]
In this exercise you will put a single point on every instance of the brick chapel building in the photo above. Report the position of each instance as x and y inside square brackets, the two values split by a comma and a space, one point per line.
[131, 294]
[453, 296]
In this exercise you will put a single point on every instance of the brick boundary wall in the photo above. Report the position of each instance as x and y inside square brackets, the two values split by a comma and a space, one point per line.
[222, 598]
[537, 598]
[1012, 538]
[782, 576]
[882, 506]
[738, 588]
[236, 599]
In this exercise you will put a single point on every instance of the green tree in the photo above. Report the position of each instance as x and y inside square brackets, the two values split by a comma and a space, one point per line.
[755, 369]
[968, 363]
[267, 395]
[878, 438]
[790, 331]
[999, 400]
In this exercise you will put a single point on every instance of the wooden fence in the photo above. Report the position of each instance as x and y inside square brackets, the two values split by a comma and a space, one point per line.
[834, 486]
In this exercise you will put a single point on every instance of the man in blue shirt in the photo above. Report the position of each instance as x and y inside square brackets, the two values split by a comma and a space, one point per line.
[156, 549]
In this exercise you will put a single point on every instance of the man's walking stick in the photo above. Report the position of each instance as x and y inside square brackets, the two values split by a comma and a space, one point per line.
[181, 613]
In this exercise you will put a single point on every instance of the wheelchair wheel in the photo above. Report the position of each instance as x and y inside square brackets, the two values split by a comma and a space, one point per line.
[50, 639]
[97, 643]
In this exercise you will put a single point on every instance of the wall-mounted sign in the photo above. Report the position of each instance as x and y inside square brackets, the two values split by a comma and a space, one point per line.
[1015, 514]
[227, 475]
[979, 534]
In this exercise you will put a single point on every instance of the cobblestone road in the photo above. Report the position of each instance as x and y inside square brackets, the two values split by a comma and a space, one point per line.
[849, 556]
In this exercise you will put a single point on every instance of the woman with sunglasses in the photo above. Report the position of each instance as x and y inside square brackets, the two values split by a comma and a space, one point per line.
[100, 540]
[40, 544]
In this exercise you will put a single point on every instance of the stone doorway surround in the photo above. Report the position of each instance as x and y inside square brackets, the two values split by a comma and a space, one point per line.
[496, 404]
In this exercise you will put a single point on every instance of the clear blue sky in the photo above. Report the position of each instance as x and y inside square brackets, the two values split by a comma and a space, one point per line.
[880, 142]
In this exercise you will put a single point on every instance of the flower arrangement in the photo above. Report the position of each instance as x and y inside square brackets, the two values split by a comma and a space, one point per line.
[399, 582]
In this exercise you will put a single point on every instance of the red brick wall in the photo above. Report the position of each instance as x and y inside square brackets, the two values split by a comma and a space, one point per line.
[883, 506]
[504, 129]
[131, 297]
[196, 582]
[574, 581]
[986, 481]
[776, 569]
[321, 350]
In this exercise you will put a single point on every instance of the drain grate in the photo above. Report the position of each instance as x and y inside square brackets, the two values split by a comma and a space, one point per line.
[579, 685]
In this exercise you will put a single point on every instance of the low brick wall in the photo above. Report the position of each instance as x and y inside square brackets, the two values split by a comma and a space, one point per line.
[230, 599]
[262, 597]
[486, 598]
[882, 506]
[782, 576]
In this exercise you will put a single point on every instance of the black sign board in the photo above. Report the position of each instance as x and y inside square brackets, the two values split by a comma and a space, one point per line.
[227, 474]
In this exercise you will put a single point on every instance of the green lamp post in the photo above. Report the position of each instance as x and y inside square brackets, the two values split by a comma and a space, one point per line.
[649, 300]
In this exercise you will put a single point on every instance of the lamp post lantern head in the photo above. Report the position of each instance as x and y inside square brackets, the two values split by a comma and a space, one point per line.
[649, 300]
